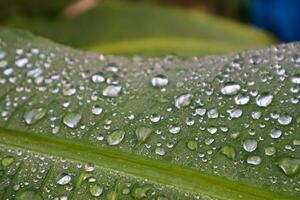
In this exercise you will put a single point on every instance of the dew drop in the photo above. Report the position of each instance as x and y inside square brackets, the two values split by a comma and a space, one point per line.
[72, 120]
[183, 100]
[112, 91]
[64, 180]
[254, 160]
[250, 145]
[290, 166]
[264, 99]
[143, 133]
[160, 151]
[154, 118]
[34, 115]
[96, 190]
[97, 110]
[275, 133]
[28, 195]
[230, 88]
[285, 119]
[115, 137]
[159, 81]
[192, 145]
[7, 161]
[296, 79]
[174, 129]
[228, 151]
[98, 77]
[242, 99]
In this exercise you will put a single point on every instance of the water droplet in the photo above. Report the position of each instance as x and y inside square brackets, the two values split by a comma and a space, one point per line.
[97, 110]
[228, 151]
[112, 91]
[254, 160]
[159, 81]
[71, 119]
[64, 180]
[160, 151]
[174, 129]
[285, 119]
[21, 62]
[230, 88]
[275, 133]
[269, 151]
[242, 99]
[96, 190]
[141, 192]
[296, 79]
[116, 137]
[7, 161]
[69, 91]
[235, 113]
[213, 113]
[34, 115]
[143, 133]
[183, 100]
[264, 99]
[98, 77]
[154, 118]
[290, 166]
[192, 145]
[250, 145]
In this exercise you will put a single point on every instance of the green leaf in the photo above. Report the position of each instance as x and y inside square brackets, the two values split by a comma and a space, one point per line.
[127, 28]
[218, 127]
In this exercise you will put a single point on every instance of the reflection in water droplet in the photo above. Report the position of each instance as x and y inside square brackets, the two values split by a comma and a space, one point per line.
[112, 91]
[250, 145]
[290, 166]
[116, 137]
[71, 119]
[159, 81]
[230, 88]
[264, 99]
[34, 115]
[183, 100]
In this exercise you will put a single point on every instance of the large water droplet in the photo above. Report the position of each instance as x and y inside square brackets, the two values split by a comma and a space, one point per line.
[264, 99]
[159, 81]
[285, 119]
[116, 137]
[34, 115]
[230, 88]
[72, 119]
[183, 100]
[290, 166]
[112, 91]
[250, 145]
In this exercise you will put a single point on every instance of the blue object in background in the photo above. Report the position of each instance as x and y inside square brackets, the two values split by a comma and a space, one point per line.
[281, 17]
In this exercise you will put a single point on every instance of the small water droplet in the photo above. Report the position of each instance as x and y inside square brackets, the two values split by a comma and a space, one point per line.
[116, 137]
[143, 133]
[192, 145]
[296, 79]
[242, 99]
[98, 77]
[160, 151]
[174, 129]
[7, 161]
[228, 151]
[285, 119]
[97, 110]
[275, 133]
[154, 118]
[28, 195]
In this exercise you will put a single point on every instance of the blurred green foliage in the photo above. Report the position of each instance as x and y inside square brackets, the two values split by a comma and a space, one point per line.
[126, 27]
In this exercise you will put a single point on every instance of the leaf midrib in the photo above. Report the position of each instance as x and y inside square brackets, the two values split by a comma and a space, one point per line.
[132, 165]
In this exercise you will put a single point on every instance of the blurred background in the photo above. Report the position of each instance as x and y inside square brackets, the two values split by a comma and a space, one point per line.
[157, 27]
